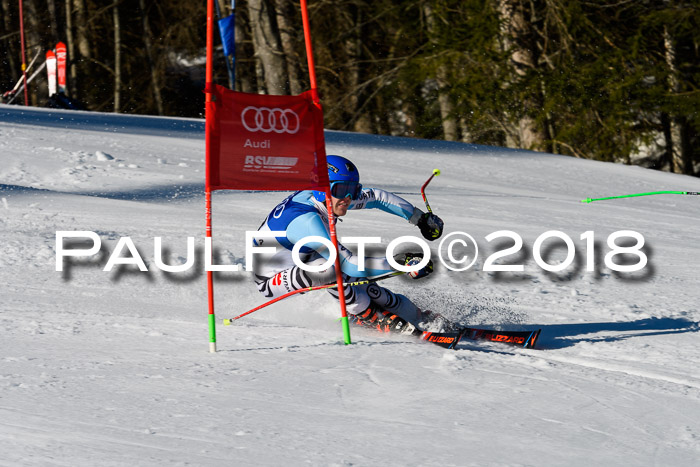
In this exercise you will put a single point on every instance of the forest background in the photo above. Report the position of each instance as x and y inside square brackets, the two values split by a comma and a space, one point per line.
[607, 80]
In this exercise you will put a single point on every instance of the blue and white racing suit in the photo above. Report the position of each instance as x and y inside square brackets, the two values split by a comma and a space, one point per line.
[301, 215]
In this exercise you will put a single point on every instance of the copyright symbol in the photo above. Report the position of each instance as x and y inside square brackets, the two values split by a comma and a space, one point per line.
[466, 242]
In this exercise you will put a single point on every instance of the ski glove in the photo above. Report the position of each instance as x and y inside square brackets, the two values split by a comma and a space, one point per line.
[411, 259]
[430, 226]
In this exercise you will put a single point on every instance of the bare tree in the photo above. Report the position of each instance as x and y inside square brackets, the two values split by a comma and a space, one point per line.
[72, 62]
[244, 76]
[147, 42]
[82, 32]
[519, 39]
[288, 20]
[117, 57]
[53, 20]
[35, 41]
[268, 46]
[676, 136]
[359, 118]
[10, 53]
[447, 109]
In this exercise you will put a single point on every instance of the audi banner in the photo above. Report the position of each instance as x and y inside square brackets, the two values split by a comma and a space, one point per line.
[263, 142]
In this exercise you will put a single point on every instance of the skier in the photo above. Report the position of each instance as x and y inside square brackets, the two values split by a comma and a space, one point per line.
[304, 214]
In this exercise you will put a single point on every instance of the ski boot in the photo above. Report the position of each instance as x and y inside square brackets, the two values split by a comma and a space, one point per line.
[383, 321]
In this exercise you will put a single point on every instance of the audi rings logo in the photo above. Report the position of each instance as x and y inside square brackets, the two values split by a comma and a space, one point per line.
[268, 120]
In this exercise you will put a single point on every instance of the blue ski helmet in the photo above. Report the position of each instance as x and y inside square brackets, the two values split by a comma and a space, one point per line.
[344, 178]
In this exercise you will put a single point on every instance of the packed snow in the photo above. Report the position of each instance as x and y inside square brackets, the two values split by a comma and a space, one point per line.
[113, 368]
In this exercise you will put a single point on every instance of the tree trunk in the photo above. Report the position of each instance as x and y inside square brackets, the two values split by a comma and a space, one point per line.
[467, 136]
[519, 39]
[450, 129]
[447, 109]
[82, 32]
[72, 61]
[260, 76]
[243, 73]
[285, 20]
[117, 58]
[37, 89]
[53, 21]
[676, 139]
[155, 82]
[11, 52]
[380, 116]
[268, 46]
[33, 29]
[359, 117]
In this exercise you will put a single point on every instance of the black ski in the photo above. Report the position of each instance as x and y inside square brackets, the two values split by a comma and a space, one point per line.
[524, 339]
[449, 340]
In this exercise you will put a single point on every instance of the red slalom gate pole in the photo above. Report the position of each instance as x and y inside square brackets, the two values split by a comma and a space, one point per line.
[24, 59]
[309, 289]
[207, 186]
[329, 205]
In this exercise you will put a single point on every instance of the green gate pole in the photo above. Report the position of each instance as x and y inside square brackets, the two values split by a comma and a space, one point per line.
[590, 200]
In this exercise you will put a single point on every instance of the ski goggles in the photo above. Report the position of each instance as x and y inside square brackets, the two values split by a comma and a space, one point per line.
[342, 190]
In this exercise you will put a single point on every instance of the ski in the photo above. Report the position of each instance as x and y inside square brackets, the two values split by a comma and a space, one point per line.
[51, 69]
[61, 55]
[449, 340]
[524, 339]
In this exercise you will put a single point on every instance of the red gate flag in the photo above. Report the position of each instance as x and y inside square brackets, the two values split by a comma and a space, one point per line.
[263, 142]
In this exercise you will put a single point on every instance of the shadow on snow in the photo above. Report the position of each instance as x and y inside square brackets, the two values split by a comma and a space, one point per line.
[558, 336]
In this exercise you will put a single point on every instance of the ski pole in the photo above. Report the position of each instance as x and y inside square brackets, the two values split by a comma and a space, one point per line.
[422, 189]
[29, 80]
[228, 321]
[590, 200]
[29, 67]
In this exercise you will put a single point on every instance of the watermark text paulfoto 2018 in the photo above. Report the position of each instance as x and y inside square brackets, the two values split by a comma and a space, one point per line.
[457, 251]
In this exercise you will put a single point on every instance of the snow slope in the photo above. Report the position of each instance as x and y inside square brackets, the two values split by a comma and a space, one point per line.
[100, 368]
